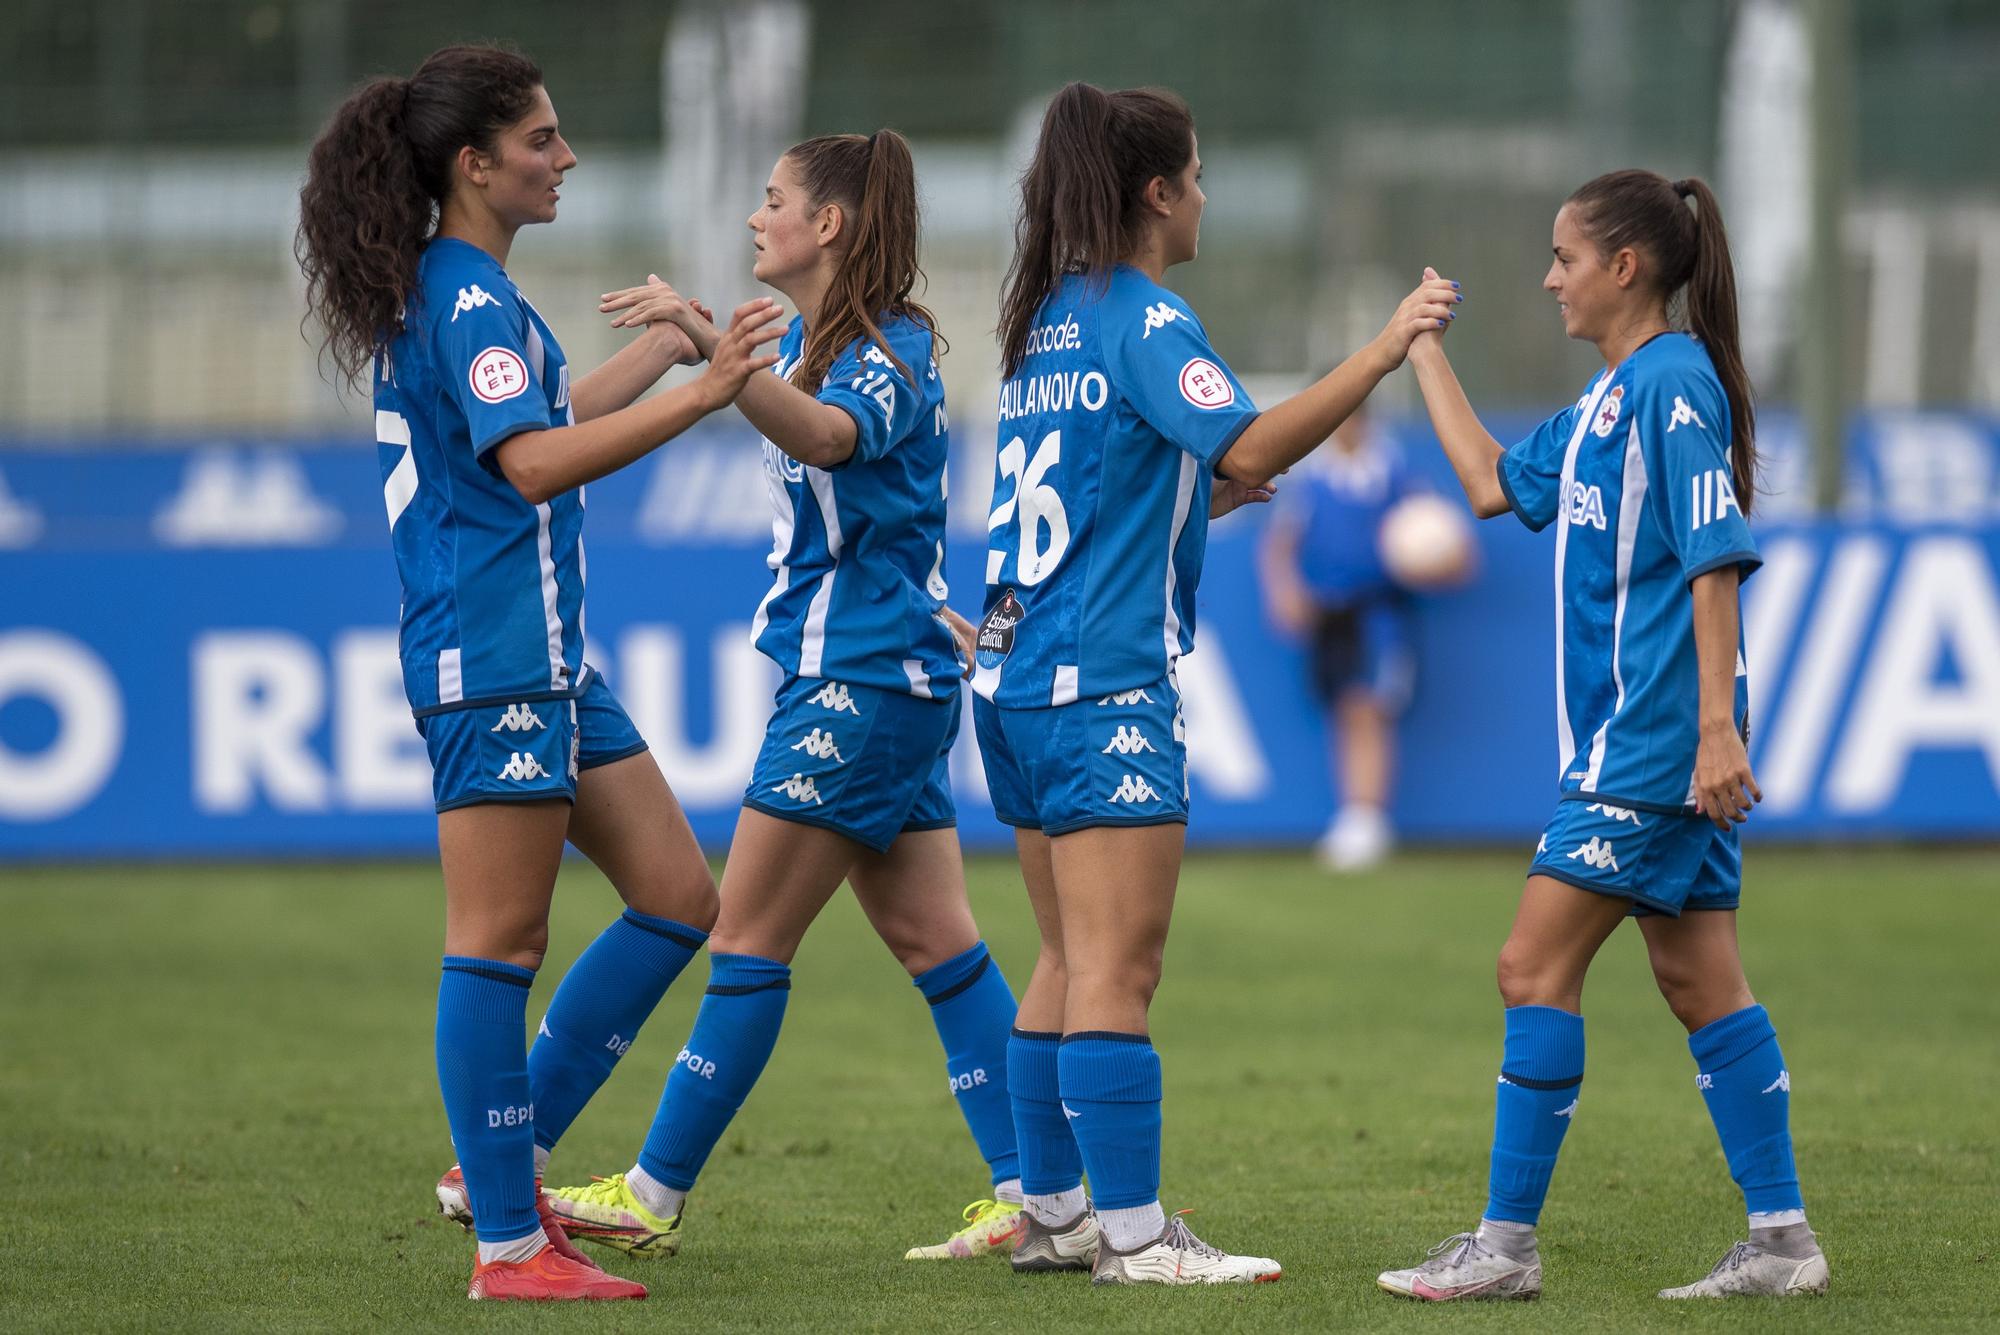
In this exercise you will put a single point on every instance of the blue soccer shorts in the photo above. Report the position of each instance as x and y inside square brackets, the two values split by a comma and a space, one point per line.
[866, 763]
[1662, 863]
[526, 751]
[1116, 760]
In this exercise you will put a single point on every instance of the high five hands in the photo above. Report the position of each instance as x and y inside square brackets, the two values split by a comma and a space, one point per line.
[1426, 312]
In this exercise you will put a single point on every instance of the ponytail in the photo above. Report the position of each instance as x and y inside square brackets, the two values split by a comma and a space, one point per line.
[874, 180]
[1711, 313]
[1690, 252]
[1081, 194]
[376, 178]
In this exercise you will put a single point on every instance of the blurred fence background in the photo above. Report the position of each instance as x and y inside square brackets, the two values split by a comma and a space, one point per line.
[149, 302]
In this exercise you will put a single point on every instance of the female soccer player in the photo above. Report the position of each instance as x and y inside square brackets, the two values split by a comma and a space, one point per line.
[1116, 417]
[413, 195]
[1647, 479]
[851, 783]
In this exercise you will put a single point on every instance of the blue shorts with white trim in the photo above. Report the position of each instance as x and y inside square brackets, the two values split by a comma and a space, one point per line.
[1117, 760]
[1663, 864]
[867, 763]
[528, 750]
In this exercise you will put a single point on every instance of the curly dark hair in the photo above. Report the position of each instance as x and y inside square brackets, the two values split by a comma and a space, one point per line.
[376, 178]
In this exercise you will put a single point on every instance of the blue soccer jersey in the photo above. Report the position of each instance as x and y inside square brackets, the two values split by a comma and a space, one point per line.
[858, 549]
[1341, 497]
[1636, 478]
[1111, 430]
[492, 586]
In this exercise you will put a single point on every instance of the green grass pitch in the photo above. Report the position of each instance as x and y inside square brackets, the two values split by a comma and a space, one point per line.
[218, 1109]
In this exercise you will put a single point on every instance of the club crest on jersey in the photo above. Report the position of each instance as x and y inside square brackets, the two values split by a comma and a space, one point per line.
[497, 375]
[1159, 316]
[1206, 385]
[1607, 414]
[471, 299]
[996, 632]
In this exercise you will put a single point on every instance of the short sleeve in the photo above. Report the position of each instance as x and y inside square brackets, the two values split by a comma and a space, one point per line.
[1161, 362]
[885, 406]
[481, 344]
[1684, 435]
[1530, 470]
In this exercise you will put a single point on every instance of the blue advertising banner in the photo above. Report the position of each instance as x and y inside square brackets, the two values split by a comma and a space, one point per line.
[198, 654]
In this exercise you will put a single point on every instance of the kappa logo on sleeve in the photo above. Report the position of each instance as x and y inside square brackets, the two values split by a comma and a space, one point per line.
[1684, 415]
[471, 299]
[497, 375]
[1159, 316]
[1206, 385]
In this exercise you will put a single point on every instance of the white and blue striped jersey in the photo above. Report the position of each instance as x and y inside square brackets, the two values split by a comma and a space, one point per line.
[857, 550]
[1635, 476]
[1112, 427]
[492, 586]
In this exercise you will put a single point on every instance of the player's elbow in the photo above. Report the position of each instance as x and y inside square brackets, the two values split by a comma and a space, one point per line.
[1239, 464]
[1490, 504]
[526, 468]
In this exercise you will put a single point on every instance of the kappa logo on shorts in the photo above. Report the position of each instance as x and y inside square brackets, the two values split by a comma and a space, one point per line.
[834, 695]
[1126, 698]
[820, 746]
[1615, 813]
[521, 768]
[1596, 853]
[1159, 317]
[1569, 1112]
[1782, 1085]
[1133, 789]
[472, 298]
[800, 789]
[1128, 740]
[518, 718]
[1541, 845]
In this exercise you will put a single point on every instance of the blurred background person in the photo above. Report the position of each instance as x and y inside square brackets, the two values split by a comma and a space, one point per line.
[1325, 568]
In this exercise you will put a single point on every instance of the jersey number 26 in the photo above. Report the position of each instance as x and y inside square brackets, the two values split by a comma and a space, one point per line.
[1038, 504]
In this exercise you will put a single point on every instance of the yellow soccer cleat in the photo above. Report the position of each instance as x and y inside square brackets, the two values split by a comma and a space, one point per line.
[608, 1213]
[990, 1227]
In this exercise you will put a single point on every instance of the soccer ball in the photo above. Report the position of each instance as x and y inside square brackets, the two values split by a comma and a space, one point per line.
[1425, 543]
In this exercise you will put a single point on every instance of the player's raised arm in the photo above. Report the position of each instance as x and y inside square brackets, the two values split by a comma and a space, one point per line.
[542, 464]
[1286, 433]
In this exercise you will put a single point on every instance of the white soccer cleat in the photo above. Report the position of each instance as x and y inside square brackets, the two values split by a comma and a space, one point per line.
[1177, 1256]
[1462, 1268]
[1071, 1246]
[1748, 1271]
[1359, 838]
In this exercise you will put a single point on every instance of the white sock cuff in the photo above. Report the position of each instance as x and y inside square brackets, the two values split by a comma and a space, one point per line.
[1008, 1191]
[655, 1195]
[1777, 1219]
[1057, 1210]
[514, 1250]
[1131, 1228]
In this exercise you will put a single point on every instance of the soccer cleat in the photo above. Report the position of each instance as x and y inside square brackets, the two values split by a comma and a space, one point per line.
[1462, 1268]
[1071, 1246]
[990, 1226]
[1177, 1256]
[608, 1213]
[547, 1276]
[454, 1204]
[1748, 1271]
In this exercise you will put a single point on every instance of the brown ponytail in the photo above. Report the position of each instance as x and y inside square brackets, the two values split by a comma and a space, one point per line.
[1081, 194]
[376, 178]
[1690, 252]
[874, 180]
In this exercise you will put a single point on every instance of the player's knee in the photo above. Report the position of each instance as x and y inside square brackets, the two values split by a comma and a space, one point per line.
[1525, 980]
[685, 895]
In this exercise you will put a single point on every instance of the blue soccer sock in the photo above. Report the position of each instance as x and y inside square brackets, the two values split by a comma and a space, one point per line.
[1111, 1095]
[1051, 1164]
[1749, 1095]
[734, 1033]
[1539, 1076]
[482, 1061]
[973, 1009]
[603, 999]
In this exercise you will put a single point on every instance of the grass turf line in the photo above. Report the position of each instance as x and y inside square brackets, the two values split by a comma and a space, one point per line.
[221, 1112]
